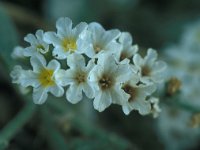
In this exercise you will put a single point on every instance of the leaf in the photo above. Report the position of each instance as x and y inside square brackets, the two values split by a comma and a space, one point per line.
[8, 38]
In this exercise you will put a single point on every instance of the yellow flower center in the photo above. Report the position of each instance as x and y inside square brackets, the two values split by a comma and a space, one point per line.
[45, 78]
[97, 48]
[40, 46]
[69, 44]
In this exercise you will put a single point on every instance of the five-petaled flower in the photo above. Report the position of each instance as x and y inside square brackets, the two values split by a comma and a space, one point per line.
[104, 65]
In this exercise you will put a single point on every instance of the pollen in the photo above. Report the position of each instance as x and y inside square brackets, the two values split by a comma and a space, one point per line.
[106, 82]
[132, 91]
[45, 78]
[40, 46]
[195, 120]
[97, 48]
[69, 44]
[145, 71]
[80, 77]
[173, 86]
[123, 56]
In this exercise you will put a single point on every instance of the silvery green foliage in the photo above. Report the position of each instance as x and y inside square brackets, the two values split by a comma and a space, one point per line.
[174, 124]
[102, 64]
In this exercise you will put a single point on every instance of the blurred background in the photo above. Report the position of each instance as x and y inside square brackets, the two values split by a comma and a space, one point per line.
[170, 26]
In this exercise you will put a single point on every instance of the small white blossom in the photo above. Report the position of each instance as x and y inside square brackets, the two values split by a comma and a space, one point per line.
[174, 129]
[41, 78]
[99, 40]
[148, 68]
[155, 109]
[77, 78]
[18, 52]
[67, 40]
[37, 44]
[98, 67]
[138, 94]
[127, 50]
[106, 78]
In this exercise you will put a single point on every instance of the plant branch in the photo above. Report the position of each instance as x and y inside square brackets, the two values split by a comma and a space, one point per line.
[13, 127]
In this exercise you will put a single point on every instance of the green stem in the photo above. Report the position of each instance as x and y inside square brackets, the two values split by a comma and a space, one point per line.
[88, 129]
[55, 138]
[184, 106]
[10, 130]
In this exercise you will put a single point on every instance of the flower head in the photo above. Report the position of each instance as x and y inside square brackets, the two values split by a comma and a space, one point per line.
[37, 44]
[18, 52]
[127, 50]
[106, 78]
[138, 94]
[77, 78]
[99, 40]
[99, 66]
[148, 68]
[41, 78]
[67, 40]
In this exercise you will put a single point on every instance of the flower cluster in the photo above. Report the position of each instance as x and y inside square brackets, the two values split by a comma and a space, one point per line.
[179, 128]
[102, 64]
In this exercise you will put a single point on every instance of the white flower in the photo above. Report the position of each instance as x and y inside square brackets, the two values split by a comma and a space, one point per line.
[41, 78]
[77, 78]
[127, 50]
[67, 40]
[148, 68]
[174, 129]
[18, 52]
[100, 40]
[17, 75]
[138, 95]
[106, 78]
[155, 109]
[37, 44]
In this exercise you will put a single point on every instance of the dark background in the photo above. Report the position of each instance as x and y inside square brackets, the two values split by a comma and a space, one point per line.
[152, 23]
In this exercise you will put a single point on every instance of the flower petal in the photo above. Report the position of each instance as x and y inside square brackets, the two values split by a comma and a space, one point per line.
[39, 34]
[96, 29]
[40, 95]
[102, 101]
[138, 60]
[59, 53]
[159, 66]
[51, 38]
[76, 61]
[64, 26]
[110, 35]
[142, 106]
[127, 109]
[31, 39]
[57, 91]
[24, 77]
[38, 62]
[74, 94]
[29, 78]
[151, 56]
[79, 29]
[119, 96]
[125, 38]
[88, 91]
[54, 65]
